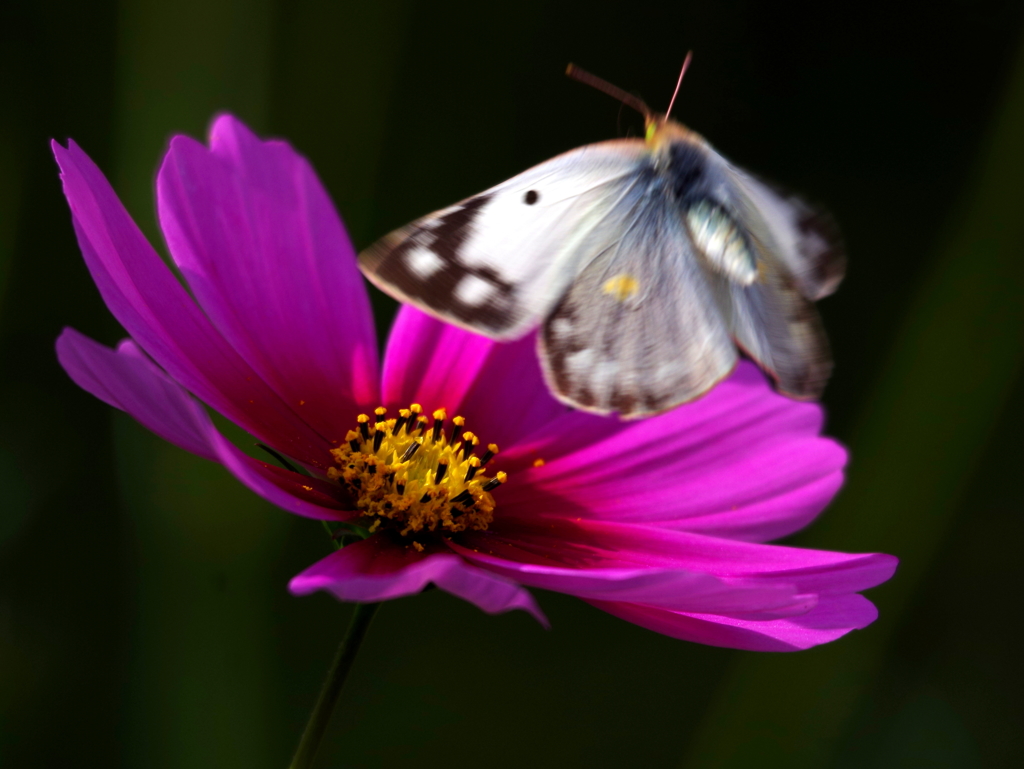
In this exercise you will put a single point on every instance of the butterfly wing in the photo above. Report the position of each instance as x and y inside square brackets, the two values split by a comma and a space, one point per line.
[638, 318]
[496, 263]
[779, 328]
[799, 260]
[641, 329]
[804, 240]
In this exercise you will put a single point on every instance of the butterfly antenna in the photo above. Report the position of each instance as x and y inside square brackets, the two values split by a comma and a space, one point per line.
[603, 85]
[679, 82]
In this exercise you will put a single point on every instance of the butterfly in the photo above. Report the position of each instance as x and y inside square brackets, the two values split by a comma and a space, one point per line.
[649, 265]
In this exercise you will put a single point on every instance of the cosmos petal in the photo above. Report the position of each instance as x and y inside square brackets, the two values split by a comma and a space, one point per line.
[128, 381]
[376, 569]
[832, 618]
[601, 544]
[752, 462]
[263, 249]
[155, 309]
[662, 587]
[497, 386]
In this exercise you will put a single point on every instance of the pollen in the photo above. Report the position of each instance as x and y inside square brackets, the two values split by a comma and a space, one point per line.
[414, 473]
[621, 287]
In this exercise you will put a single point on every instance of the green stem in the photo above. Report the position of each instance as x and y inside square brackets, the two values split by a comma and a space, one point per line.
[343, 659]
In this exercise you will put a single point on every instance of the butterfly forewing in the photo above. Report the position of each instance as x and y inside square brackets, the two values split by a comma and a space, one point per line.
[498, 262]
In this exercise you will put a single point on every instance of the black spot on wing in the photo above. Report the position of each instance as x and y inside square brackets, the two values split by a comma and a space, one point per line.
[445, 238]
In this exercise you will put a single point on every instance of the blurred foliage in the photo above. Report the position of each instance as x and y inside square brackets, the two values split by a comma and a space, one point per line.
[144, 619]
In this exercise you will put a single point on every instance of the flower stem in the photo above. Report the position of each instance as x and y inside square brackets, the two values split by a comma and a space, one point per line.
[342, 663]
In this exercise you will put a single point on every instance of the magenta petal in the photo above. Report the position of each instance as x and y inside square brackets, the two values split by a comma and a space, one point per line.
[497, 386]
[155, 309]
[832, 618]
[430, 362]
[127, 383]
[376, 569]
[299, 494]
[264, 250]
[673, 589]
[130, 382]
[600, 544]
[511, 400]
[743, 462]
[817, 571]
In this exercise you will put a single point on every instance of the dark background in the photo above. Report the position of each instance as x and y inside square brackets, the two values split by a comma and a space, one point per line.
[144, 617]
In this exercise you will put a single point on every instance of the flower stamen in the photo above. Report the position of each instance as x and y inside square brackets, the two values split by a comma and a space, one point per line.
[439, 417]
[403, 417]
[492, 449]
[413, 480]
[469, 443]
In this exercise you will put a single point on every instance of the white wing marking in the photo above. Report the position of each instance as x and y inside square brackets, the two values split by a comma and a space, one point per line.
[423, 262]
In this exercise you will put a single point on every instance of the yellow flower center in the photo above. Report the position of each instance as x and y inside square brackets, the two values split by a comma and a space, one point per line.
[411, 473]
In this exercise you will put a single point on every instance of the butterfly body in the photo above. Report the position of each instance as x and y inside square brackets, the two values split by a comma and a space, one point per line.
[647, 264]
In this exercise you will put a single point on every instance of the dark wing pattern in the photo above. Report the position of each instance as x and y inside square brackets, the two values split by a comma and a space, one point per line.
[498, 262]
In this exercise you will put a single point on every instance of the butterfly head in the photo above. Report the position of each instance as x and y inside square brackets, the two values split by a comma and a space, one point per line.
[662, 130]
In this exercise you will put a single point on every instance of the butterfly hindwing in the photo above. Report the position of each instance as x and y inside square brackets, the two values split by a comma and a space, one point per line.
[780, 329]
[498, 262]
[640, 330]
[803, 239]
[798, 259]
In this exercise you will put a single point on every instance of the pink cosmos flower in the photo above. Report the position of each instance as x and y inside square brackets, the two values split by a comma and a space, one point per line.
[659, 522]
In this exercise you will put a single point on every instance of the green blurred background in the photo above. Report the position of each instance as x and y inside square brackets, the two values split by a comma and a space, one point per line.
[144, 617]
